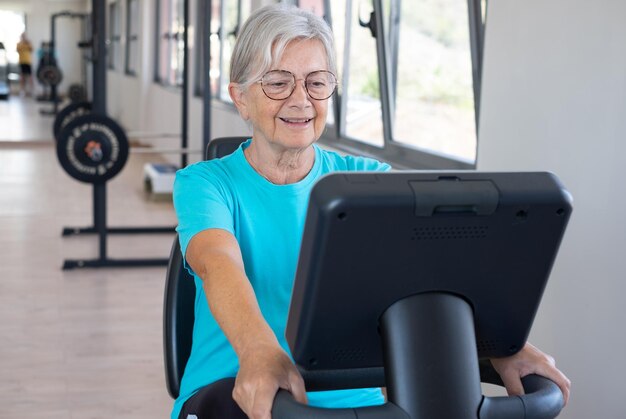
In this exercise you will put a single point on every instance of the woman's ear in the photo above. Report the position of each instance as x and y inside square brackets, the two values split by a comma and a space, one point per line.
[239, 97]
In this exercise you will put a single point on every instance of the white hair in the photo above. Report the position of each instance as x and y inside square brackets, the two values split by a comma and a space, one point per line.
[265, 35]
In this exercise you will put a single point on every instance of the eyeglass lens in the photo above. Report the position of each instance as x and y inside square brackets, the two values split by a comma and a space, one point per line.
[279, 84]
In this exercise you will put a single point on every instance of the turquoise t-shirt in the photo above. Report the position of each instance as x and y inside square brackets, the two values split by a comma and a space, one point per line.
[268, 221]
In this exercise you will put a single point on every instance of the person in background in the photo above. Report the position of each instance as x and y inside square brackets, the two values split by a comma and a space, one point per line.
[25, 52]
[241, 219]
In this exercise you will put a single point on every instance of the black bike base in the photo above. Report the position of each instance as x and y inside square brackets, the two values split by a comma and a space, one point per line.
[112, 263]
[73, 231]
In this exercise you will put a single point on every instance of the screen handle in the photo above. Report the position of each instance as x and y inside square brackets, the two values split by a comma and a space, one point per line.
[543, 400]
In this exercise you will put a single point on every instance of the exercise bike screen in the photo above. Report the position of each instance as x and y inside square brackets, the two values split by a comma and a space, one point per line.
[371, 239]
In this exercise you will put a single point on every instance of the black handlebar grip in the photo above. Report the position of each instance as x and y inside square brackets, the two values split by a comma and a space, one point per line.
[543, 400]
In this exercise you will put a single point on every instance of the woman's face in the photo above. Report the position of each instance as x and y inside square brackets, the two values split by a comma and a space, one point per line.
[295, 122]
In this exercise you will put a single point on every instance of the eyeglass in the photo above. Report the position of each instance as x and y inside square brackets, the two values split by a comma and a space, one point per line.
[280, 84]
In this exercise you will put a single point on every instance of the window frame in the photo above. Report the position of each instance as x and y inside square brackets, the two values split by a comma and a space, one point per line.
[114, 39]
[218, 93]
[132, 36]
[171, 36]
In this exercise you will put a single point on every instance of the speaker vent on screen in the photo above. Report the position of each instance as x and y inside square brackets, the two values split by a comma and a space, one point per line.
[450, 232]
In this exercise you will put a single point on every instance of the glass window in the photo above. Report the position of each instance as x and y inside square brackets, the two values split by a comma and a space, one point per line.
[132, 37]
[429, 61]
[434, 99]
[360, 110]
[170, 27]
[227, 17]
[115, 38]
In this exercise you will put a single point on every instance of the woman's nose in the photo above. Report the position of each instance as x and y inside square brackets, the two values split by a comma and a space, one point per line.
[300, 93]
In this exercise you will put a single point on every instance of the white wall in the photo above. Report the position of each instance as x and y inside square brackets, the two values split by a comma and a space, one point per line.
[554, 98]
[68, 33]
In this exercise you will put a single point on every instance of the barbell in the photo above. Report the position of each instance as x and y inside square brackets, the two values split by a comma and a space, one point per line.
[92, 148]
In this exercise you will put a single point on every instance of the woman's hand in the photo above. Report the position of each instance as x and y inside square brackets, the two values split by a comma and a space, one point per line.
[529, 360]
[262, 371]
[264, 367]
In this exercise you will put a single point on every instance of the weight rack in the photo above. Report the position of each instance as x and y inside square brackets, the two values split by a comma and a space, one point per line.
[99, 188]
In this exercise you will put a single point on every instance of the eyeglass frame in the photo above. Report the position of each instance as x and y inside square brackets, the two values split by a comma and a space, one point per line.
[295, 82]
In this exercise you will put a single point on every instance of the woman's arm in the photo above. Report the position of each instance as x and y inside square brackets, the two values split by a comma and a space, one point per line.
[264, 367]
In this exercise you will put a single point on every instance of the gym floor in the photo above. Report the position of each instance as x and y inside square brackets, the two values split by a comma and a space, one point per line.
[83, 343]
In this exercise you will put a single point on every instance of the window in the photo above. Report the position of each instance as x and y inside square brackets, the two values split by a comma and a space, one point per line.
[227, 17]
[169, 54]
[432, 79]
[132, 37]
[12, 25]
[411, 96]
[114, 41]
[361, 117]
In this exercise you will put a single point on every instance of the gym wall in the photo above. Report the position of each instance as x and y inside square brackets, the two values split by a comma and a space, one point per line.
[554, 98]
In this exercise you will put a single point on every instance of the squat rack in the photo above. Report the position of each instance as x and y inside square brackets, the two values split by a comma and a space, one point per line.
[99, 189]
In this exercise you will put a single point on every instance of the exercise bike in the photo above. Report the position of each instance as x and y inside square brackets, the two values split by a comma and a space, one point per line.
[408, 280]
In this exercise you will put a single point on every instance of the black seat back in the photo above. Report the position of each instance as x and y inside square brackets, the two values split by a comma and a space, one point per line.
[180, 294]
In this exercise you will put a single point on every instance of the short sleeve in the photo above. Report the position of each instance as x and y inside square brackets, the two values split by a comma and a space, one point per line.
[202, 200]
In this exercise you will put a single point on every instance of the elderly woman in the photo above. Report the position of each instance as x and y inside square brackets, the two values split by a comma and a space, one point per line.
[241, 220]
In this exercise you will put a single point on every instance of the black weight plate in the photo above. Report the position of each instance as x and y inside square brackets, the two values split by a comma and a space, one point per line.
[92, 148]
[68, 113]
[50, 75]
[76, 93]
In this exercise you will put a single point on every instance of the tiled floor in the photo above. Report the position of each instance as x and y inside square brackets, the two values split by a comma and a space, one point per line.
[74, 344]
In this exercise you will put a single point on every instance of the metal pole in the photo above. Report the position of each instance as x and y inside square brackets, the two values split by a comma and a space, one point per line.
[53, 88]
[98, 106]
[185, 87]
[206, 78]
[476, 31]
[384, 78]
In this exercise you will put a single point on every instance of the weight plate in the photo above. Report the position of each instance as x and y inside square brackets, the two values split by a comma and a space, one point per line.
[50, 75]
[68, 113]
[92, 148]
[76, 93]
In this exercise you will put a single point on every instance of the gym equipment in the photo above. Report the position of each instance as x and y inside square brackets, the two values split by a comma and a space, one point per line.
[46, 58]
[423, 273]
[5, 90]
[180, 292]
[49, 73]
[67, 114]
[77, 93]
[159, 178]
[92, 148]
